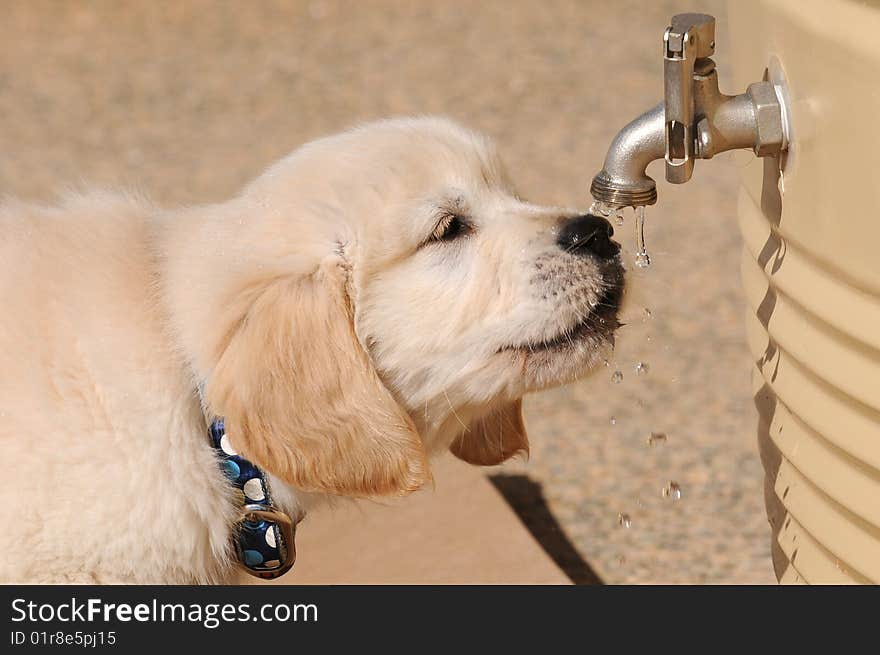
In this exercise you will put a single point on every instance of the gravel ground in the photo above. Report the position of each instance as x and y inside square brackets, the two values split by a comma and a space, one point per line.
[188, 100]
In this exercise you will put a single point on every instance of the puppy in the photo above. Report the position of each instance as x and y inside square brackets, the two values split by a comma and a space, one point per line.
[374, 299]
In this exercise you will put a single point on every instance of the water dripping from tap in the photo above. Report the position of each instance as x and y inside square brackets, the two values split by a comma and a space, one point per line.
[603, 209]
[615, 213]
[672, 491]
[643, 260]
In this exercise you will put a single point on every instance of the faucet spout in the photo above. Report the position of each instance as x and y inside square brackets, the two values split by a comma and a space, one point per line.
[623, 181]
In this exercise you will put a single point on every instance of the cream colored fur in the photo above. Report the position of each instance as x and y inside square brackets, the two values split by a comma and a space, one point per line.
[343, 345]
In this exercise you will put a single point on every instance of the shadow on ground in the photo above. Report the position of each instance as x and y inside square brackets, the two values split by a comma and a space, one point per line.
[526, 498]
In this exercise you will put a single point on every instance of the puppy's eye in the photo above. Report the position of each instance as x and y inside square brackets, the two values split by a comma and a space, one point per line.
[451, 227]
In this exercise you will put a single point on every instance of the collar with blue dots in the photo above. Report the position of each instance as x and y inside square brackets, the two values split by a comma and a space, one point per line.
[264, 537]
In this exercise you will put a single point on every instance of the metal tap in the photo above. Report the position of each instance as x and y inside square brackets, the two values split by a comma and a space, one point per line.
[694, 121]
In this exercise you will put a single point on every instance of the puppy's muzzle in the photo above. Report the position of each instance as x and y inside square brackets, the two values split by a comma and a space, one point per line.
[588, 235]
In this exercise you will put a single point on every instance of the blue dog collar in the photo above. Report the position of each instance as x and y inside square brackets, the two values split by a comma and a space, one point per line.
[264, 537]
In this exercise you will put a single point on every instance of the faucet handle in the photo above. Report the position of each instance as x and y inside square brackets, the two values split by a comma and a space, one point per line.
[689, 38]
[702, 32]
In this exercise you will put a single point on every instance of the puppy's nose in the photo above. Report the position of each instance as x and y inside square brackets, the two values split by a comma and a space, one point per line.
[588, 234]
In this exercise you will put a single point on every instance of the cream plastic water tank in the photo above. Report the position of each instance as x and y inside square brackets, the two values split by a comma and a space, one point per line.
[811, 273]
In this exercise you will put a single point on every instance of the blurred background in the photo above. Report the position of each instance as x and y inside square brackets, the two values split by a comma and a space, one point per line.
[186, 101]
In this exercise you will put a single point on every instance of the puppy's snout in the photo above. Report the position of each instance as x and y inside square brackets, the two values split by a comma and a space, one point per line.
[588, 235]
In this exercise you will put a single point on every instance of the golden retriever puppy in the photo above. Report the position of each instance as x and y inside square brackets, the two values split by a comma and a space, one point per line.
[373, 299]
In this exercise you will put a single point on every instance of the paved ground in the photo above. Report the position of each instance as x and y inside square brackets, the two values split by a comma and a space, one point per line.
[189, 100]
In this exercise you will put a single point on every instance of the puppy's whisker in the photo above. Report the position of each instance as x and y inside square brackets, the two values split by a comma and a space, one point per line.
[454, 413]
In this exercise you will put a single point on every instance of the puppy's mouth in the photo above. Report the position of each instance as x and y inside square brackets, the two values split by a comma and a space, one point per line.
[599, 324]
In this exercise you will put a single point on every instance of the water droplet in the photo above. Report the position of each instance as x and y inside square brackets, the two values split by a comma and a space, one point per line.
[643, 260]
[621, 560]
[617, 377]
[600, 208]
[646, 314]
[672, 490]
[656, 439]
[613, 420]
[618, 217]
[642, 368]
[606, 363]
[624, 520]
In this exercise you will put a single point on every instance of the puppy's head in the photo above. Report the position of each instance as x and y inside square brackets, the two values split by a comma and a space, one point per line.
[390, 296]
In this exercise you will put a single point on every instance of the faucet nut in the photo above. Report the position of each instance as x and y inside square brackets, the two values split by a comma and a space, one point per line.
[768, 119]
[623, 193]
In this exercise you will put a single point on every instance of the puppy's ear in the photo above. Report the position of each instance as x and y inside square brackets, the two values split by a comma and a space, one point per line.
[301, 399]
[494, 438]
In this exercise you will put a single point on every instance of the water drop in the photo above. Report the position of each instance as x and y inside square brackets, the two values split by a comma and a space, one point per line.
[646, 314]
[613, 420]
[621, 560]
[600, 208]
[656, 439]
[617, 377]
[606, 363]
[642, 368]
[672, 490]
[643, 260]
[618, 217]
[624, 520]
